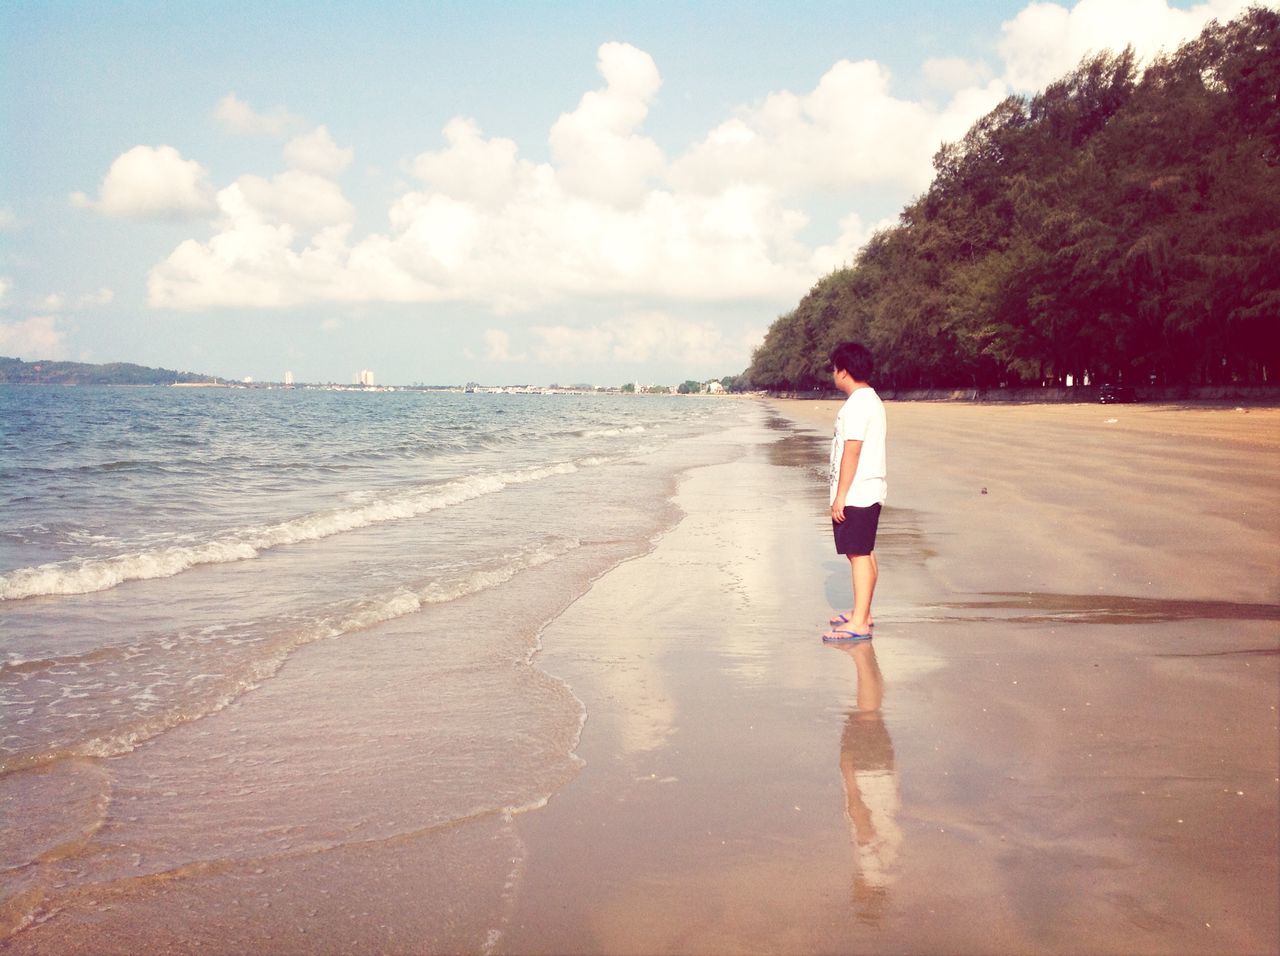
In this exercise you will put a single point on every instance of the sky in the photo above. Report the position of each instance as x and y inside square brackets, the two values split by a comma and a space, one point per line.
[506, 193]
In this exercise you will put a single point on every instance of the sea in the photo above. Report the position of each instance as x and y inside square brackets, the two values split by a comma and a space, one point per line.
[268, 657]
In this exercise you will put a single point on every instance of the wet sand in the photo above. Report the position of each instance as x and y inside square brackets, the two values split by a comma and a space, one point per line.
[1076, 750]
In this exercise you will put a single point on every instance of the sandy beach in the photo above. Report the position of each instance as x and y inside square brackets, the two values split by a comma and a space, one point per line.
[1063, 738]
[1077, 746]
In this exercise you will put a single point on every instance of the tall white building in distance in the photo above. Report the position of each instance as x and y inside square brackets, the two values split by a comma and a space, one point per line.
[366, 376]
[288, 378]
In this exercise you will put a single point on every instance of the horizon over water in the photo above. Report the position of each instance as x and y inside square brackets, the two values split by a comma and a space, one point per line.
[258, 639]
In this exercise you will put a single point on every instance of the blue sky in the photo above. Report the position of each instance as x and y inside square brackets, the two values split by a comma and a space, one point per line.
[506, 193]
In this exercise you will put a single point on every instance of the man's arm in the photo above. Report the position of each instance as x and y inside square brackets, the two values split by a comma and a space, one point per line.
[848, 467]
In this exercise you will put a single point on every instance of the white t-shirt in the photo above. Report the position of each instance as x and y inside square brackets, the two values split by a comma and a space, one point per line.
[861, 418]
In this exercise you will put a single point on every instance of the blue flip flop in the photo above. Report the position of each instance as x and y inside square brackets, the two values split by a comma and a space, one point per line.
[844, 619]
[842, 637]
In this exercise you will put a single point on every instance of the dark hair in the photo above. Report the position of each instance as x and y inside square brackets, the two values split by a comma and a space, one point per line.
[853, 358]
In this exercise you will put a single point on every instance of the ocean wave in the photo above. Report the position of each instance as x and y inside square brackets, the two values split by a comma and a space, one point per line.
[218, 691]
[55, 533]
[611, 432]
[85, 575]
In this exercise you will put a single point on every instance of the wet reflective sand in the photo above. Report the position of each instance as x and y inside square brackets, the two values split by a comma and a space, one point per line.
[1064, 739]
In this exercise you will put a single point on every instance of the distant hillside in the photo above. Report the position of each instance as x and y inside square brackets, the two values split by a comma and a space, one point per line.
[17, 372]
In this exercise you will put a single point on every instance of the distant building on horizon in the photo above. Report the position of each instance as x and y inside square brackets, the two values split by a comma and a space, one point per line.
[366, 376]
[288, 378]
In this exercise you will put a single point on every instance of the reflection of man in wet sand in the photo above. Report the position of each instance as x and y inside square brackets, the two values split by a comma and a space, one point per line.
[870, 788]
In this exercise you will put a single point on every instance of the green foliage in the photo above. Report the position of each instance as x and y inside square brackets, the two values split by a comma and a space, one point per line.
[735, 383]
[1122, 225]
[689, 387]
[16, 371]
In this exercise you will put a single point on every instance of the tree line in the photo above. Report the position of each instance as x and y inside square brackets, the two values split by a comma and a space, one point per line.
[1115, 225]
[14, 371]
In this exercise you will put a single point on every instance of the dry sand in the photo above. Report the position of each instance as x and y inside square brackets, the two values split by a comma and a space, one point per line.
[1077, 749]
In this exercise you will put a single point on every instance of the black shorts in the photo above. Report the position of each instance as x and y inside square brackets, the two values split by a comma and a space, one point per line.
[856, 534]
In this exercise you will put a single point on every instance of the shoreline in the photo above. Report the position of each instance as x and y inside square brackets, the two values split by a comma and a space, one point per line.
[1194, 396]
[359, 792]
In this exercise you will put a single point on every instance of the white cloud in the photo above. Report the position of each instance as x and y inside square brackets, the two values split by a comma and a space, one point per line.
[281, 242]
[58, 302]
[649, 336]
[610, 216]
[237, 116]
[8, 219]
[539, 245]
[497, 345]
[637, 338]
[598, 153]
[151, 182]
[471, 167]
[37, 337]
[294, 197]
[565, 345]
[853, 236]
[1046, 40]
[848, 131]
[316, 152]
[253, 264]
[751, 339]
[6, 285]
[953, 73]
[103, 296]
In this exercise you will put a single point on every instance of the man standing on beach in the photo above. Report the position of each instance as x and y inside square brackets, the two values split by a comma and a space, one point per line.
[858, 484]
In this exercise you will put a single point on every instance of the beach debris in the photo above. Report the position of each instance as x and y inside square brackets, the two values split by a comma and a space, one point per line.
[1111, 421]
[984, 489]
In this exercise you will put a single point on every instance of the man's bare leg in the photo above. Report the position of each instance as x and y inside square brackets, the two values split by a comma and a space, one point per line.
[865, 570]
[851, 615]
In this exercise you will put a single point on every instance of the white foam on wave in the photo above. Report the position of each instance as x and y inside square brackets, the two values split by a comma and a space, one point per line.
[222, 690]
[85, 575]
[99, 574]
[613, 432]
